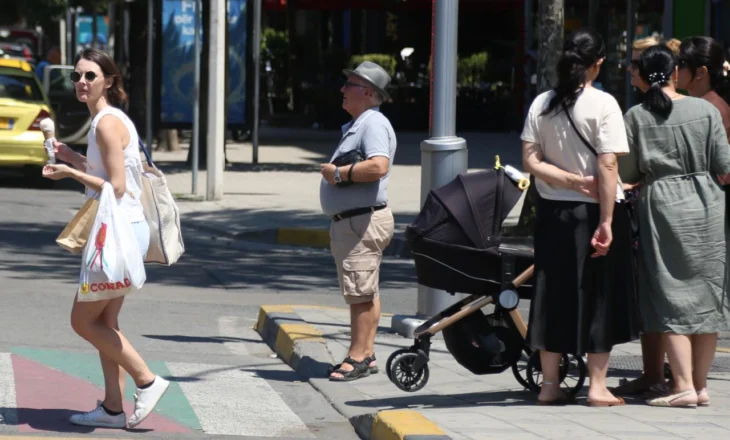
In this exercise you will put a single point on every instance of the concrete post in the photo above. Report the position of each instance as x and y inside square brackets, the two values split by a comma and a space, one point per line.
[216, 99]
[195, 141]
[443, 155]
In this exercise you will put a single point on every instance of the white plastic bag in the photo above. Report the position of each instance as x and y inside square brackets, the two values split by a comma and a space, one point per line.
[111, 264]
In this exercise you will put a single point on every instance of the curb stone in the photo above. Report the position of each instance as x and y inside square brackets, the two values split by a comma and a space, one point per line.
[304, 349]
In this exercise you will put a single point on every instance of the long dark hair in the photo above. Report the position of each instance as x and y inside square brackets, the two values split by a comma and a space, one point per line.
[696, 52]
[656, 67]
[581, 50]
[115, 94]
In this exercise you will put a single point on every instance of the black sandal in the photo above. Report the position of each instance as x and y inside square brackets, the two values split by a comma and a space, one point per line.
[359, 370]
[373, 370]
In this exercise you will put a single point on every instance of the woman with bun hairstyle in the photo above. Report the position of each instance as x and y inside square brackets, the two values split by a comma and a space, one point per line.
[678, 148]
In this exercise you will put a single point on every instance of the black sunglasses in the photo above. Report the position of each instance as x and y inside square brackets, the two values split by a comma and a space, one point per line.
[76, 76]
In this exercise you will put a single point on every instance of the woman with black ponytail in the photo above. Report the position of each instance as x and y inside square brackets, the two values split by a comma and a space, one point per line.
[703, 73]
[584, 299]
[678, 149]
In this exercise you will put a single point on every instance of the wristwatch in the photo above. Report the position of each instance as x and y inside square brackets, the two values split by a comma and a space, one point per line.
[338, 179]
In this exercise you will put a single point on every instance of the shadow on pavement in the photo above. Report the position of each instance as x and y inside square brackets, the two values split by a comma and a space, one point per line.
[496, 398]
[482, 147]
[52, 420]
[29, 250]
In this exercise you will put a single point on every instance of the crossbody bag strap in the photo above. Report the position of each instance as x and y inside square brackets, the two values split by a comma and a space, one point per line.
[585, 142]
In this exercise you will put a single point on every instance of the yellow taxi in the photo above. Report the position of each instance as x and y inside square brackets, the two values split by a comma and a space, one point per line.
[23, 104]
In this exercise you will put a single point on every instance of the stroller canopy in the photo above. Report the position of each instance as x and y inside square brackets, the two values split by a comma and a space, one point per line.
[468, 211]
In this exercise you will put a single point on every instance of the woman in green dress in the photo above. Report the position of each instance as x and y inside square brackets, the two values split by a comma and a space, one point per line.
[678, 149]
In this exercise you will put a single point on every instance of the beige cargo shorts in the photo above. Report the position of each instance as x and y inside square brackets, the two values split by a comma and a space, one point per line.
[357, 245]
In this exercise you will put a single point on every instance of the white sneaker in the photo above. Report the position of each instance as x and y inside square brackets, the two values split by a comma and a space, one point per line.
[99, 418]
[146, 399]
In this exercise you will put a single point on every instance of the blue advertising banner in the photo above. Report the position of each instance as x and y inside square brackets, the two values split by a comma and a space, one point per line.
[178, 68]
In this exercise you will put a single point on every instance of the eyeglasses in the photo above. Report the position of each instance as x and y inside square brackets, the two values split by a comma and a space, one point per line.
[349, 84]
[634, 64]
[76, 76]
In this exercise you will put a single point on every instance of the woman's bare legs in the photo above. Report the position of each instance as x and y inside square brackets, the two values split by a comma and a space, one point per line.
[652, 355]
[114, 375]
[550, 389]
[679, 351]
[703, 353]
[88, 322]
[597, 370]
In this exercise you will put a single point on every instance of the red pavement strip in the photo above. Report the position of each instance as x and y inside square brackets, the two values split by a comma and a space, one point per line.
[46, 398]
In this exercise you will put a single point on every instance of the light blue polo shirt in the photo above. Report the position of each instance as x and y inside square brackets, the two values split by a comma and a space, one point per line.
[373, 134]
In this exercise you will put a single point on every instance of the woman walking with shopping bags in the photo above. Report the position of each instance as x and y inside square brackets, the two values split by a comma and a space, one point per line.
[112, 158]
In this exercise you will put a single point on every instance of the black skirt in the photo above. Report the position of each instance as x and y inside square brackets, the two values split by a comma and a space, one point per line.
[581, 304]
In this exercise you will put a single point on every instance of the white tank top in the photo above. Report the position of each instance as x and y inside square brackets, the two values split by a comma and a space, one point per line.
[130, 202]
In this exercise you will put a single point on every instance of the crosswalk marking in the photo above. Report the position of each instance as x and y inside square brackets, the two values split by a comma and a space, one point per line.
[8, 410]
[229, 401]
[230, 329]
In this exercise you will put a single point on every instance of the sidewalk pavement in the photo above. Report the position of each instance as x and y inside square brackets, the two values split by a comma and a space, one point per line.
[277, 200]
[458, 405]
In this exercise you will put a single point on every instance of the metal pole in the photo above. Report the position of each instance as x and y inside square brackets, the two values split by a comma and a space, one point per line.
[63, 45]
[69, 36]
[150, 61]
[256, 78]
[196, 96]
[443, 155]
[630, 32]
[216, 99]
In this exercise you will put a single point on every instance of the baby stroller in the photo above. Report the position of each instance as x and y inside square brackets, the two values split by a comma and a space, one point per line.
[458, 247]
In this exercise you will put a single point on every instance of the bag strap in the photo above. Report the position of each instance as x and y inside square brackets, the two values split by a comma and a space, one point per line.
[146, 153]
[585, 142]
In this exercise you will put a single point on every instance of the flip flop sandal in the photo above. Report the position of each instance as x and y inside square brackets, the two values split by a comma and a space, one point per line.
[667, 401]
[618, 402]
[703, 401]
[360, 370]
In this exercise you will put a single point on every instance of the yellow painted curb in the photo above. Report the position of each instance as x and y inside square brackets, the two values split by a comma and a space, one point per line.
[723, 350]
[397, 424]
[303, 237]
[290, 334]
[265, 310]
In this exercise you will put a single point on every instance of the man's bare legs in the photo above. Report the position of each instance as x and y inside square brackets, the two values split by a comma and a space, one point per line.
[364, 320]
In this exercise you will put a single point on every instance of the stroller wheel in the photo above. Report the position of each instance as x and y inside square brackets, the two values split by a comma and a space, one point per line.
[403, 375]
[392, 356]
[519, 369]
[572, 372]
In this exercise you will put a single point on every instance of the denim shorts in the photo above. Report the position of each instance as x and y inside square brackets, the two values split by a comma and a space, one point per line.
[142, 231]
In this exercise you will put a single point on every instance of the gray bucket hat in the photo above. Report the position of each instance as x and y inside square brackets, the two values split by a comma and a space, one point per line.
[373, 74]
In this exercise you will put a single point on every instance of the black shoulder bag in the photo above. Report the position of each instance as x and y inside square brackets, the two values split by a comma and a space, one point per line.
[349, 158]
[630, 199]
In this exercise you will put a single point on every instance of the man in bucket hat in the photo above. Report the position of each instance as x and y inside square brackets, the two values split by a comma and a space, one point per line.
[353, 192]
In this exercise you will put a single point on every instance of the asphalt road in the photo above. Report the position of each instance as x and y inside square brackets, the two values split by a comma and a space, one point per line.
[192, 322]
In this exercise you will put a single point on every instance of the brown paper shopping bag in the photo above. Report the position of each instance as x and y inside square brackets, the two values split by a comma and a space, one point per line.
[74, 236]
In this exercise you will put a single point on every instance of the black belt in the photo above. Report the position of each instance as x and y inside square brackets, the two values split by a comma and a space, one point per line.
[357, 211]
